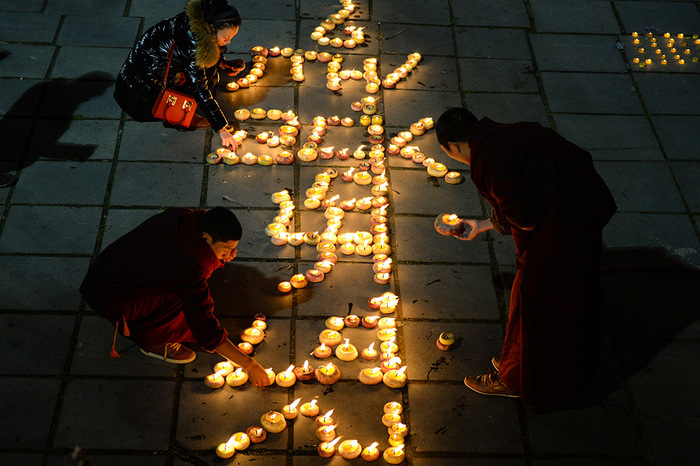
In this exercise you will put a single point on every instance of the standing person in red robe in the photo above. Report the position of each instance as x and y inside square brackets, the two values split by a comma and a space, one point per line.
[152, 285]
[545, 192]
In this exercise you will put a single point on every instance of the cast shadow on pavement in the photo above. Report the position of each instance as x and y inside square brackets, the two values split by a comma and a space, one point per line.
[650, 298]
[23, 141]
[241, 291]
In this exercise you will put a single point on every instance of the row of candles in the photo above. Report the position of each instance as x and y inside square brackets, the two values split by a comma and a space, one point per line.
[678, 47]
[275, 422]
[356, 35]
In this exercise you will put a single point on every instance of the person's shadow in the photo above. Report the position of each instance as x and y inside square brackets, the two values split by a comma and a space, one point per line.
[650, 298]
[23, 141]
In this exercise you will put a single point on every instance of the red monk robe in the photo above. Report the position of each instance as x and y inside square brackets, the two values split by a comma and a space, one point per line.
[154, 278]
[536, 180]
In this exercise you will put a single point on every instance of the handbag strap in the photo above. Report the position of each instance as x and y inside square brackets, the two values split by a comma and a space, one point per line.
[170, 59]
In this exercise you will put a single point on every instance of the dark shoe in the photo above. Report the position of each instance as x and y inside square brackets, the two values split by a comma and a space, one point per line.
[496, 362]
[489, 384]
[171, 352]
[7, 180]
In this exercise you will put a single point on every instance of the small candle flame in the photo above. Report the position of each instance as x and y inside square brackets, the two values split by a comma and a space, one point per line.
[373, 446]
[288, 372]
[312, 403]
[398, 450]
[347, 344]
[395, 361]
[328, 429]
[375, 371]
[305, 367]
[328, 368]
[370, 348]
[230, 442]
[238, 372]
[327, 416]
[361, 147]
[218, 373]
[334, 442]
[384, 185]
[294, 404]
[400, 372]
[334, 198]
[349, 172]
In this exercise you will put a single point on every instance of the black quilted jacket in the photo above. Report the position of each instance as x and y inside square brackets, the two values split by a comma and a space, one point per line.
[143, 72]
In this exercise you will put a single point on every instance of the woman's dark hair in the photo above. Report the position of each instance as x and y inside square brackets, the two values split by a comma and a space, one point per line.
[221, 224]
[454, 125]
[220, 14]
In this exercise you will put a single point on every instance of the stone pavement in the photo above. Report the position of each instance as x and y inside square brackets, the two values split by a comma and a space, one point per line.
[88, 174]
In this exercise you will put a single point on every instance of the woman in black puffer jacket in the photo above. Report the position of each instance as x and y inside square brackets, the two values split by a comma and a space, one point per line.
[200, 34]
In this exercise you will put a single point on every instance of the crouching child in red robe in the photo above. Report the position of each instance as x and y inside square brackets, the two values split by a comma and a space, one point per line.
[152, 285]
[545, 192]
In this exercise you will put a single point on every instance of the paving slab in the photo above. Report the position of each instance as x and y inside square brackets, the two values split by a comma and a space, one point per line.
[666, 432]
[650, 189]
[20, 97]
[19, 276]
[499, 13]
[85, 7]
[452, 423]
[105, 31]
[92, 421]
[476, 345]
[73, 62]
[26, 61]
[431, 74]
[588, 16]
[493, 75]
[447, 292]
[27, 423]
[670, 130]
[686, 173]
[401, 38]
[411, 235]
[664, 17]
[63, 183]
[486, 42]
[508, 108]
[591, 93]
[50, 230]
[90, 96]
[670, 94]
[162, 144]
[412, 11]
[45, 344]
[572, 52]
[425, 194]
[607, 428]
[28, 26]
[74, 139]
[157, 184]
[145, 8]
[612, 137]
[403, 108]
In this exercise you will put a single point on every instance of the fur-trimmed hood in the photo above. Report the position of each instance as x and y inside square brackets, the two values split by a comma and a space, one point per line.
[208, 52]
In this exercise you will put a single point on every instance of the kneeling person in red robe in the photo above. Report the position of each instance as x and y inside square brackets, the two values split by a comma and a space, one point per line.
[545, 192]
[152, 285]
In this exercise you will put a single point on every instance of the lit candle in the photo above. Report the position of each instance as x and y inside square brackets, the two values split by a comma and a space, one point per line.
[326, 419]
[328, 374]
[286, 378]
[226, 450]
[326, 449]
[310, 408]
[252, 335]
[256, 434]
[392, 406]
[325, 433]
[346, 352]
[237, 378]
[369, 353]
[394, 455]
[371, 376]
[322, 351]
[290, 411]
[216, 380]
[226, 366]
[350, 449]
[395, 378]
[389, 347]
[371, 453]
[273, 422]
[398, 428]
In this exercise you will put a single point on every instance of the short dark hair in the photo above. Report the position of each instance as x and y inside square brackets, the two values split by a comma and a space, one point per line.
[221, 224]
[454, 125]
[220, 14]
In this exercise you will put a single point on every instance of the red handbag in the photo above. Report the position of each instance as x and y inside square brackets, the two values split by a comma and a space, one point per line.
[174, 107]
